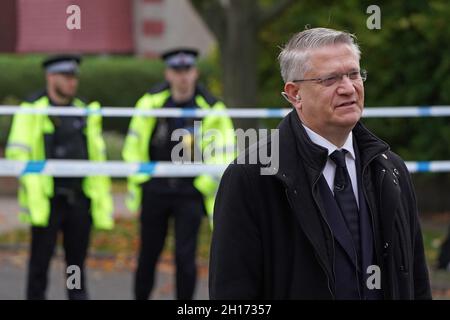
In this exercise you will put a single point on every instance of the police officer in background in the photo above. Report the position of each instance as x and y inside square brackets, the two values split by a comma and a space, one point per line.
[67, 204]
[149, 139]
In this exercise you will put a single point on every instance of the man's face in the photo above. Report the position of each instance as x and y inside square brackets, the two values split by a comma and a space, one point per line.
[65, 85]
[182, 80]
[327, 109]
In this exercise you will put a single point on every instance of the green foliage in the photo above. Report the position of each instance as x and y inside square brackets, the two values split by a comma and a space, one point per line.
[111, 80]
[5, 123]
[114, 144]
[19, 76]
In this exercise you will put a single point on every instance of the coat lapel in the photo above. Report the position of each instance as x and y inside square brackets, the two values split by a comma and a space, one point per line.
[301, 163]
[298, 179]
[337, 222]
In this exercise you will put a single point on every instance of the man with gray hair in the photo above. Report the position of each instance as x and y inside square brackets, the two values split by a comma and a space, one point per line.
[338, 220]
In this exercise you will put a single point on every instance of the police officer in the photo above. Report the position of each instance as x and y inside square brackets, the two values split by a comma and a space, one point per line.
[53, 204]
[149, 139]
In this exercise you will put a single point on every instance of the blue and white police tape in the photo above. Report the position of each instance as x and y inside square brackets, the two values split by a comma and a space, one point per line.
[81, 168]
[372, 112]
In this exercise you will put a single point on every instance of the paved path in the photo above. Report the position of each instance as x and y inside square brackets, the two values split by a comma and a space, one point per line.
[8, 214]
[103, 285]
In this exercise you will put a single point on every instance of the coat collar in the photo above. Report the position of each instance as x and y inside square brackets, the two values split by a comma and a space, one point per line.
[295, 146]
[321, 141]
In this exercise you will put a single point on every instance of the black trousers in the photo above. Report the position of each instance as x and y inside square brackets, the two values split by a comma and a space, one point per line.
[187, 211]
[74, 220]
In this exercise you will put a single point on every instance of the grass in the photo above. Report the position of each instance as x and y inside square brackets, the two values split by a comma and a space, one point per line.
[16, 237]
[123, 240]
[434, 231]
[432, 239]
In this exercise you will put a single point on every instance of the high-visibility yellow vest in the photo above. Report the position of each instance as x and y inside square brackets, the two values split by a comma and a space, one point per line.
[26, 143]
[136, 147]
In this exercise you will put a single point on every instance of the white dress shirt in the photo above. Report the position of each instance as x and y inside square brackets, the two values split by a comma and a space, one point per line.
[330, 167]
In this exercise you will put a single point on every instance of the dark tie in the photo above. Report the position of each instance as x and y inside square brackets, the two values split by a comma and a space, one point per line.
[345, 198]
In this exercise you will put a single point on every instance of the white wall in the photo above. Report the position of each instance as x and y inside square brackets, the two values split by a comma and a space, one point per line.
[182, 27]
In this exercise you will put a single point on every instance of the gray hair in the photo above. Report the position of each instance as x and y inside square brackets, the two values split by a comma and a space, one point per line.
[294, 56]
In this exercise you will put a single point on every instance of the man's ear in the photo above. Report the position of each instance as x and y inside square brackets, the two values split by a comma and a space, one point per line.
[292, 93]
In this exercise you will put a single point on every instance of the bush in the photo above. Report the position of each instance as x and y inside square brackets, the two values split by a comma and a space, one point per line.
[114, 143]
[111, 80]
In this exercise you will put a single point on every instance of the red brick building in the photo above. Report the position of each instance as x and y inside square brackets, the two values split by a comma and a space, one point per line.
[144, 27]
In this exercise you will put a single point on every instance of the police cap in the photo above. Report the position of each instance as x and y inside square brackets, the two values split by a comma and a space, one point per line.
[180, 58]
[66, 63]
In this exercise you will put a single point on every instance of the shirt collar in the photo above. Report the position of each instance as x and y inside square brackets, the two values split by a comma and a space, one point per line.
[321, 141]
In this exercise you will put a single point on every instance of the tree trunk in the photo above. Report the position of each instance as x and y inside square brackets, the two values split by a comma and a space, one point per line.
[236, 23]
[239, 58]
